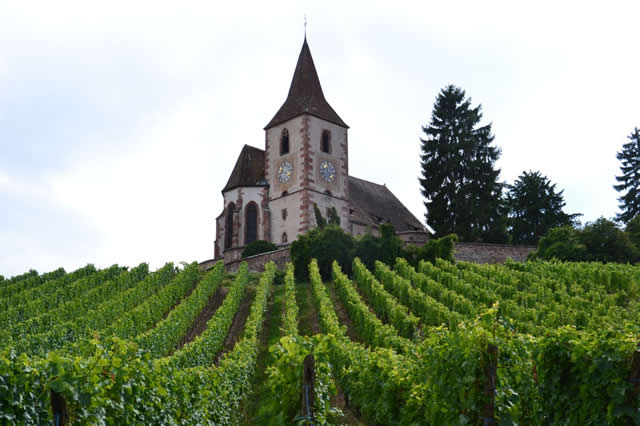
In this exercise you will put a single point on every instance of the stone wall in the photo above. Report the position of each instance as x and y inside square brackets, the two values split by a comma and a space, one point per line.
[491, 253]
[470, 252]
[255, 263]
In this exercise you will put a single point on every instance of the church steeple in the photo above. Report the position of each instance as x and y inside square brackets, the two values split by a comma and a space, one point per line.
[305, 94]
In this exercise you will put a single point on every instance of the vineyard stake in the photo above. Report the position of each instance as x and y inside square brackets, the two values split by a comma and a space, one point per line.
[308, 393]
[635, 380]
[491, 372]
[59, 409]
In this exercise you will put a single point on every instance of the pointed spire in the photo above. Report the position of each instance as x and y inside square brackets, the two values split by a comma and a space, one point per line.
[305, 94]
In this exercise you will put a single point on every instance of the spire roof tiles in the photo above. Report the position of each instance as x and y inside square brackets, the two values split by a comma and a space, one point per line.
[305, 94]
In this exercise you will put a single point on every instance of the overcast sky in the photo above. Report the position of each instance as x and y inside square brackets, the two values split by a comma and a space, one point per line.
[120, 121]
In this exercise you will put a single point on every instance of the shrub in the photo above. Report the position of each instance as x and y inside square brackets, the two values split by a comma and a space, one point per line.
[599, 241]
[560, 243]
[326, 244]
[258, 247]
[441, 248]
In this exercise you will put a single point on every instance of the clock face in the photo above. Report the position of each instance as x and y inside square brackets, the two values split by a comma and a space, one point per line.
[285, 171]
[327, 171]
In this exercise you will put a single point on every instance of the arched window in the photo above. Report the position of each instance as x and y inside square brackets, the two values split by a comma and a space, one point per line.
[284, 142]
[251, 223]
[284, 238]
[228, 229]
[325, 144]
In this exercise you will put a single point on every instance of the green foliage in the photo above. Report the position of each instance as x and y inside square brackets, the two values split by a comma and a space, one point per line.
[332, 216]
[76, 318]
[290, 312]
[27, 281]
[629, 180]
[285, 378]
[202, 350]
[258, 247]
[166, 335]
[36, 300]
[367, 324]
[605, 242]
[441, 248]
[384, 248]
[599, 241]
[459, 182]
[534, 207]
[325, 245]
[565, 333]
[561, 243]
[427, 308]
[321, 222]
[633, 231]
[387, 307]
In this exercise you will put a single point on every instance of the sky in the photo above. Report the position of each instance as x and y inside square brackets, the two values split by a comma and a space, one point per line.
[120, 122]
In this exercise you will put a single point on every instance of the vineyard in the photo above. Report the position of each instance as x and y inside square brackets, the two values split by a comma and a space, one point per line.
[444, 343]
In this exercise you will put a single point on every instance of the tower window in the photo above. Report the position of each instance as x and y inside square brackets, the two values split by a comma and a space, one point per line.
[284, 238]
[284, 214]
[284, 142]
[326, 141]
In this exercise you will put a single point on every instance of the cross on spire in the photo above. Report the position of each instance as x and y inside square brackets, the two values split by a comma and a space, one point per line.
[305, 25]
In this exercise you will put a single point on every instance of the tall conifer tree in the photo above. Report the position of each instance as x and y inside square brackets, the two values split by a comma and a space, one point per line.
[459, 180]
[630, 179]
[535, 207]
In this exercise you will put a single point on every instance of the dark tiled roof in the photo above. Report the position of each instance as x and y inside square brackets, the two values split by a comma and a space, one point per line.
[305, 94]
[375, 204]
[249, 169]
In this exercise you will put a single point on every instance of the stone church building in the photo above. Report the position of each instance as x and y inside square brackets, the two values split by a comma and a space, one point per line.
[271, 192]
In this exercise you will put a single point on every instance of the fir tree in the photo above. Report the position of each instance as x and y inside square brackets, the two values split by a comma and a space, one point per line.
[534, 207]
[630, 179]
[459, 180]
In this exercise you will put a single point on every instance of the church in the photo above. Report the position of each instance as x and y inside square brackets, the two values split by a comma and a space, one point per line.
[271, 192]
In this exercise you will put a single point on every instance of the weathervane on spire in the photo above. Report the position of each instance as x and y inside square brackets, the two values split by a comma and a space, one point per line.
[305, 25]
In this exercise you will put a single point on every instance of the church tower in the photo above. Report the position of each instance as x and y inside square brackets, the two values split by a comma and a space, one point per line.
[306, 157]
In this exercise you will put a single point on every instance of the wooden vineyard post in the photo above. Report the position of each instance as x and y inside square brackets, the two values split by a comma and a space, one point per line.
[308, 379]
[59, 409]
[635, 382]
[491, 375]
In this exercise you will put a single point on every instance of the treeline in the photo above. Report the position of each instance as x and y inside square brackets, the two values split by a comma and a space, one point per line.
[599, 241]
[464, 195]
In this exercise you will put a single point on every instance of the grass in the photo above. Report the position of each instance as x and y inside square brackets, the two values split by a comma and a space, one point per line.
[305, 310]
[254, 410]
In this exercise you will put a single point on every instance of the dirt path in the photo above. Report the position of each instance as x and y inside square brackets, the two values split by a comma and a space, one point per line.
[238, 322]
[200, 324]
[343, 316]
